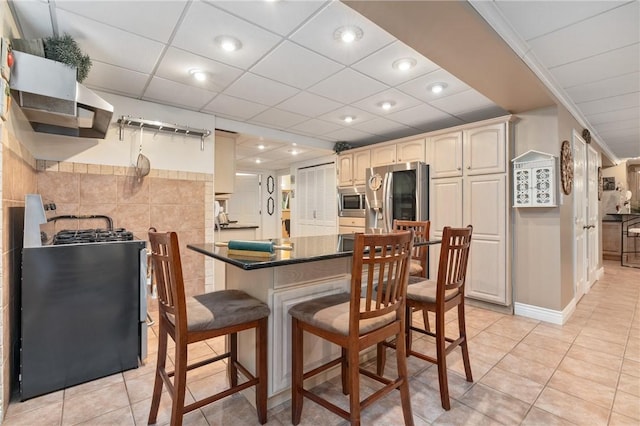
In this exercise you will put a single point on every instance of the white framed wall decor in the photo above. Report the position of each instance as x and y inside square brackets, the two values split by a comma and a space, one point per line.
[534, 180]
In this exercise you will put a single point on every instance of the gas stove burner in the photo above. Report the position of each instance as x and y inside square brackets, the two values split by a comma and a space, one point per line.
[81, 236]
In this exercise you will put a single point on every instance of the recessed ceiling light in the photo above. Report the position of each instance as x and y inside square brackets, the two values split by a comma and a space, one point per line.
[437, 87]
[294, 144]
[260, 146]
[348, 118]
[293, 152]
[198, 74]
[228, 43]
[348, 34]
[258, 161]
[387, 105]
[404, 64]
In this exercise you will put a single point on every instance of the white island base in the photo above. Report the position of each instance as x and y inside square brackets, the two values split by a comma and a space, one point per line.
[282, 287]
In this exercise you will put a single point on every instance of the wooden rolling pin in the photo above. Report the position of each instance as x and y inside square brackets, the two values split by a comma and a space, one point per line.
[259, 246]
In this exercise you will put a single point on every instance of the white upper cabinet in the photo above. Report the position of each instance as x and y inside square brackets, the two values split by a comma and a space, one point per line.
[477, 151]
[345, 169]
[445, 155]
[484, 150]
[225, 163]
[352, 168]
[383, 155]
[410, 151]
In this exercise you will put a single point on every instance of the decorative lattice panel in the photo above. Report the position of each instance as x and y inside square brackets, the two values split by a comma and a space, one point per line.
[534, 180]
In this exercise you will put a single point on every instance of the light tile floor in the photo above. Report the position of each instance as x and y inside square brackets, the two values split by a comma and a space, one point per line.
[526, 372]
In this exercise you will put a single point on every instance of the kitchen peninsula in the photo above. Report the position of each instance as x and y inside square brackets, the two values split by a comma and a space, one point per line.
[314, 267]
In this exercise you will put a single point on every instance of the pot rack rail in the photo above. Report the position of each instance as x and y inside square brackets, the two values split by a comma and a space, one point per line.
[140, 123]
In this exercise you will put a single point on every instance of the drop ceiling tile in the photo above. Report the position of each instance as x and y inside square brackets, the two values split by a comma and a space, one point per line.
[107, 44]
[259, 89]
[212, 22]
[171, 93]
[628, 83]
[337, 116]
[400, 101]
[309, 104]
[632, 113]
[619, 124]
[419, 87]
[441, 123]
[34, 18]
[132, 16]
[279, 17]
[315, 127]
[348, 135]
[278, 119]
[619, 133]
[318, 34]
[598, 67]
[295, 65]
[420, 116]
[384, 126]
[379, 65]
[535, 18]
[613, 103]
[580, 41]
[462, 102]
[234, 107]
[348, 86]
[630, 149]
[176, 65]
[115, 79]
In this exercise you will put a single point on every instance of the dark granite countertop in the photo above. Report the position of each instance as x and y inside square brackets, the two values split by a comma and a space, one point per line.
[234, 226]
[304, 249]
[619, 217]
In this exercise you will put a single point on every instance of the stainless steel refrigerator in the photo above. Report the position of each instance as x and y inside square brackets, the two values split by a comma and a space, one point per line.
[397, 191]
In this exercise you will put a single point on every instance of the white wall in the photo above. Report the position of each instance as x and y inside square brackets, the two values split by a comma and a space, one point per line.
[165, 151]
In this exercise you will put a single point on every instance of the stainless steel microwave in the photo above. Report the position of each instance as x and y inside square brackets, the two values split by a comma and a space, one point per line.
[351, 201]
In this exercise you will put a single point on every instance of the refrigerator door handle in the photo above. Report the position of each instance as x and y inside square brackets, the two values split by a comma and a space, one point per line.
[387, 196]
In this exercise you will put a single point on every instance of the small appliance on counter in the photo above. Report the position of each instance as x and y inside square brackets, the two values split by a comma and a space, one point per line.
[83, 303]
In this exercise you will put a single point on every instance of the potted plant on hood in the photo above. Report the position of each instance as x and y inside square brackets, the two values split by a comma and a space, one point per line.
[62, 49]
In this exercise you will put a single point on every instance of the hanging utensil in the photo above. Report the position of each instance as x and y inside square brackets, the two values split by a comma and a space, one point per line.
[143, 165]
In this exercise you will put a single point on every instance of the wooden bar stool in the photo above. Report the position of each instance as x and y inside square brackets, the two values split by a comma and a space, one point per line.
[194, 319]
[439, 297]
[356, 321]
[418, 267]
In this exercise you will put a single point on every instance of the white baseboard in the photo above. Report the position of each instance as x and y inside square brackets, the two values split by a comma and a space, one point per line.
[544, 314]
[599, 274]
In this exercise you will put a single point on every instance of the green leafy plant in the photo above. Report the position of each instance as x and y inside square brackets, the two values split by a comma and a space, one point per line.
[341, 146]
[65, 49]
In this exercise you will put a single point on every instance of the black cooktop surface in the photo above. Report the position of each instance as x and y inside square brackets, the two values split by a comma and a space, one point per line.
[79, 236]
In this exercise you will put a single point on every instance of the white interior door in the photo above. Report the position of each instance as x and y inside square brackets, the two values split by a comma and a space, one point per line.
[593, 242]
[244, 203]
[580, 205]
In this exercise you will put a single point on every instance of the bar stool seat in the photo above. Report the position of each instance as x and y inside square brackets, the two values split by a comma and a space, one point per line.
[195, 319]
[355, 321]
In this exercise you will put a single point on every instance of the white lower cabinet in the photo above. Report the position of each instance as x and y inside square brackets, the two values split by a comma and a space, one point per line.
[486, 208]
[476, 195]
[316, 351]
[482, 202]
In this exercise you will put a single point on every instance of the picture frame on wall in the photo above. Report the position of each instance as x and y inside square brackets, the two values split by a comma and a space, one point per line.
[608, 184]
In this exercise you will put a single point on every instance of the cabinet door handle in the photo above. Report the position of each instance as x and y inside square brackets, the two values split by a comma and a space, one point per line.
[459, 168]
[468, 167]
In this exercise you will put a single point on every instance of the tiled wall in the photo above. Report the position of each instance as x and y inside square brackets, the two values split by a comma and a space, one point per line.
[166, 200]
[18, 178]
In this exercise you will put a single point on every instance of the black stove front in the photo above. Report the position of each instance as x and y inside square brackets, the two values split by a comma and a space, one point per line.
[80, 236]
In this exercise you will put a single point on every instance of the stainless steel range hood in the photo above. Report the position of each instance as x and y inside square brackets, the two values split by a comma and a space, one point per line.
[54, 102]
